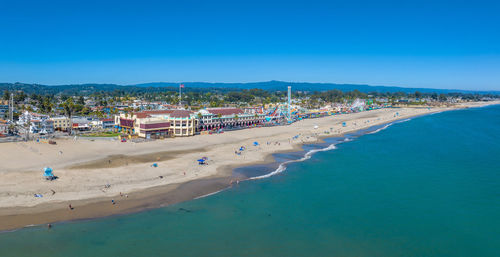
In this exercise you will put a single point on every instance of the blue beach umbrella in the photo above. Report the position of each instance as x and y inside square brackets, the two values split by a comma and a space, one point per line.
[47, 172]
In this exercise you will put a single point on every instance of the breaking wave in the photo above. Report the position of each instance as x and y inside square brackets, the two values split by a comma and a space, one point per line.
[380, 129]
[308, 155]
[283, 165]
[388, 125]
[209, 194]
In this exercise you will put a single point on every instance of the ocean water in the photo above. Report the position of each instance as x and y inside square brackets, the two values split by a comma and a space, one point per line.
[429, 186]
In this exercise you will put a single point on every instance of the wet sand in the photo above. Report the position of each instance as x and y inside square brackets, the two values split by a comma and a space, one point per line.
[120, 160]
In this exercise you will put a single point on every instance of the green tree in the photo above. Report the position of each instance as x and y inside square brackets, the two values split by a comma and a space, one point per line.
[6, 95]
[69, 106]
[81, 100]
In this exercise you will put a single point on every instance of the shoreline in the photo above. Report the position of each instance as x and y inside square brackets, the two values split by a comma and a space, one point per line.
[16, 217]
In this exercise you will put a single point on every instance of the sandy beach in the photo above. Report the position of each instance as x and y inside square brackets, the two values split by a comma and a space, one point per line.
[85, 167]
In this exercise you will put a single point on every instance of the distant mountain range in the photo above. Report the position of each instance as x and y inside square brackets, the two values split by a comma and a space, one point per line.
[306, 86]
[200, 86]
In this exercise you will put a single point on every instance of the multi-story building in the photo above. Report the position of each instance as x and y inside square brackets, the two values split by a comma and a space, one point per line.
[107, 123]
[41, 126]
[183, 123]
[27, 116]
[215, 118]
[38, 123]
[81, 123]
[157, 124]
[62, 123]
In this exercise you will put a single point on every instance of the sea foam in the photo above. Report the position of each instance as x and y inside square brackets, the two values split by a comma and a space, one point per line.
[282, 166]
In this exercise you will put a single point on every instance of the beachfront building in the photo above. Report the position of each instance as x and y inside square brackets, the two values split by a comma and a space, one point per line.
[157, 124]
[27, 116]
[41, 126]
[81, 123]
[36, 123]
[62, 123]
[107, 123]
[95, 124]
[183, 122]
[218, 118]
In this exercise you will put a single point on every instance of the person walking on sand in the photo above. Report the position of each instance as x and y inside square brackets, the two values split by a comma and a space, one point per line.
[113, 201]
[70, 207]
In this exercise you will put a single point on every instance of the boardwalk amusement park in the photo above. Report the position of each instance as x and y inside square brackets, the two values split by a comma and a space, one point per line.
[249, 128]
[181, 122]
[196, 111]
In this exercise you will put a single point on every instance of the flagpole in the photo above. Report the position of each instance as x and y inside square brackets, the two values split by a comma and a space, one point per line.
[180, 94]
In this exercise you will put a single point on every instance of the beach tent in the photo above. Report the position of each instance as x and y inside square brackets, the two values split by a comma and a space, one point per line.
[255, 143]
[155, 165]
[47, 172]
[201, 161]
[343, 124]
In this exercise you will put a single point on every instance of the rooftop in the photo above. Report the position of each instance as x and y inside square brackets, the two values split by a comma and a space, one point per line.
[225, 111]
[180, 114]
[171, 113]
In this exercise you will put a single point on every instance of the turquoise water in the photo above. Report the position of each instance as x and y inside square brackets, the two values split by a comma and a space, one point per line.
[426, 187]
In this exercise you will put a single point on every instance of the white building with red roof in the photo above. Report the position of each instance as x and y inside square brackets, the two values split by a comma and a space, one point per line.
[229, 117]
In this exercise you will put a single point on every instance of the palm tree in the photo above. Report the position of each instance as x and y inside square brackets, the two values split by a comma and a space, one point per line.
[69, 106]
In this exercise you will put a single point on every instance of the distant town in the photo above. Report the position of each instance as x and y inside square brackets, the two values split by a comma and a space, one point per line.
[156, 113]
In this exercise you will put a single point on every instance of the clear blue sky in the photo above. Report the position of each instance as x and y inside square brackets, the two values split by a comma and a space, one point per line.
[440, 44]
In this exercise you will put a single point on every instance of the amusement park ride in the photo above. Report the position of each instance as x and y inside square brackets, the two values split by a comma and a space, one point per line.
[283, 111]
